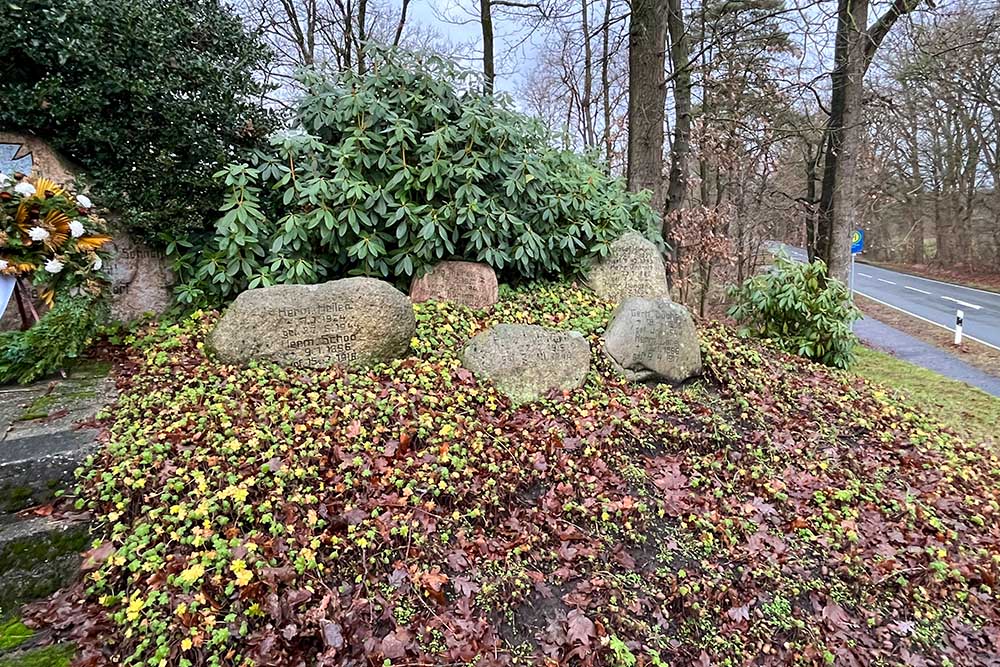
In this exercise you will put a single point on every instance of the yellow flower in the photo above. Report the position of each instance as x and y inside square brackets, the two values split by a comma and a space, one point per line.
[135, 605]
[186, 644]
[192, 574]
[236, 493]
[243, 575]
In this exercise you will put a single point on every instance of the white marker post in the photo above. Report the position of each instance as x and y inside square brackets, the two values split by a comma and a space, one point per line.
[959, 316]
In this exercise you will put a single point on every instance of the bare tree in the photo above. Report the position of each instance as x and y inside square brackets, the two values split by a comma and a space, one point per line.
[855, 46]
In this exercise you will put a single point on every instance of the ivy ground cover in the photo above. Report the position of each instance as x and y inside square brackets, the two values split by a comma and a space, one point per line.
[773, 513]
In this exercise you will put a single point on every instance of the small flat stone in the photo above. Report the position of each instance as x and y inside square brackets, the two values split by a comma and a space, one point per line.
[527, 361]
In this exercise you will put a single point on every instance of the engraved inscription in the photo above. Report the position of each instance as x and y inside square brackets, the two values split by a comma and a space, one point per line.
[319, 333]
[652, 341]
[638, 268]
[526, 348]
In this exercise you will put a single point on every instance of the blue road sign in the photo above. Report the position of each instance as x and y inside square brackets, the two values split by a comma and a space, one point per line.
[857, 241]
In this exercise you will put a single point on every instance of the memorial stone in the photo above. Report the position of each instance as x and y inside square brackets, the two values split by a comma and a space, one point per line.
[632, 268]
[141, 279]
[348, 322]
[527, 361]
[29, 155]
[653, 339]
[471, 284]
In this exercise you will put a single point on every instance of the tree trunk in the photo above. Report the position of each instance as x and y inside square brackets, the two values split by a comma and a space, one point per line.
[586, 104]
[362, 34]
[681, 144]
[401, 24]
[647, 98]
[915, 199]
[812, 166]
[854, 48]
[837, 214]
[606, 84]
[486, 20]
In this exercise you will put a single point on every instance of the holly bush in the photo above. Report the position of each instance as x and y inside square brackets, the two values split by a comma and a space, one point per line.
[801, 309]
[396, 169]
[147, 96]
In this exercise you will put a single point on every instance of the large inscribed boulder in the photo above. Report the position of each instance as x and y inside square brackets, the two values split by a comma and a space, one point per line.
[633, 267]
[653, 339]
[349, 322]
[526, 361]
[471, 284]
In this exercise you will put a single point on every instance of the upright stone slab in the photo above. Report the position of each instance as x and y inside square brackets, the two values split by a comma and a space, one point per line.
[471, 284]
[141, 279]
[653, 339]
[527, 361]
[633, 268]
[354, 321]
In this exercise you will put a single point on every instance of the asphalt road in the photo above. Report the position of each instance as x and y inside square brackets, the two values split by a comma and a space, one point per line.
[930, 300]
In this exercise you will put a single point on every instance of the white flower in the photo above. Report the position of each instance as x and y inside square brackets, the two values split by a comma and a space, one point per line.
[3, 264]
[84, 201]
[54, 266]
[38, 234]
[24, 189]
[76, 229]
[98, 263]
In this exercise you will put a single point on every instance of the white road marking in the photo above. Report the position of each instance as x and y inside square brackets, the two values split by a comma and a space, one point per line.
[922, 291]
[963, 303]
[955, 285]
[946, 328]
[883, 280]
[864, 275]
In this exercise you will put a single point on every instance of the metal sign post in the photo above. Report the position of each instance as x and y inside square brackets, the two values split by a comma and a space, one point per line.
[857, 245]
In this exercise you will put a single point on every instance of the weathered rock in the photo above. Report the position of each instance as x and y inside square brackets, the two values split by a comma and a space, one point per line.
[526, 361]
[469, 283]
[354, 321]
[27, 154]
[653, 339]
[633, 268]
[141, 279]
